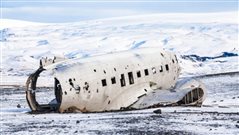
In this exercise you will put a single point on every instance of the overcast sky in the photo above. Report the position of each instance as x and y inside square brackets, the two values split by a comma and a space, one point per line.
[77, 10]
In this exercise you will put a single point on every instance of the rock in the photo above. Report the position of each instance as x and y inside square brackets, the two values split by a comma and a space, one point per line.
[18, 106]
[158, 111]
[77, 121]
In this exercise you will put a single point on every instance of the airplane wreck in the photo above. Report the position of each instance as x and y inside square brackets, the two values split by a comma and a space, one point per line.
[135, 79]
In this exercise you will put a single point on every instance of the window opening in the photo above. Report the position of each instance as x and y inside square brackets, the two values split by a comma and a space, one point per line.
[138, 74]
[131, 78]
[166, 66]
[161, 69]
[104, 82]
[122, 80]
[113, 81]
[146, 72]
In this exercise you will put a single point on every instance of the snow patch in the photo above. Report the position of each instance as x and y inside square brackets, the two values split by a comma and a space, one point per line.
[206, 41]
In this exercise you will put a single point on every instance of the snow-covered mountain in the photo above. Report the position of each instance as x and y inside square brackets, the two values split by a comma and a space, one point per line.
[205, 42]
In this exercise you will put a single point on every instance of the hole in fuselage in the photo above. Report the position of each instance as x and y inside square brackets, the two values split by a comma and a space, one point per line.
[56, 98]
[54, 104]
[43, 99]
[50, 99]
[192, 96]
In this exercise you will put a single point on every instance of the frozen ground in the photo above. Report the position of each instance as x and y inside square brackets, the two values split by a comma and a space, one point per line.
[219, 115]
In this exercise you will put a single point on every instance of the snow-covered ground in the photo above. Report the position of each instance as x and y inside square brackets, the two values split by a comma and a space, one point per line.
[219, 115]
[204, 42]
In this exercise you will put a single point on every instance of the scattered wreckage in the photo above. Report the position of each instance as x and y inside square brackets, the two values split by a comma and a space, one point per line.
[135, 79]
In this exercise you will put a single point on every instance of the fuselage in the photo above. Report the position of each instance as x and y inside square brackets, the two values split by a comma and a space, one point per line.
[114, 81]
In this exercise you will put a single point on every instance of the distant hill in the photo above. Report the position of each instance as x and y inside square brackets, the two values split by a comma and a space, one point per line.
[197, 38]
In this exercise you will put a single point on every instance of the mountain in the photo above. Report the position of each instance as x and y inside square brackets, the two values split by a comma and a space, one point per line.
[205, 42]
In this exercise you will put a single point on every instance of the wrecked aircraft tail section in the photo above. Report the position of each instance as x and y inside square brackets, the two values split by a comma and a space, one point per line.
[188, 93]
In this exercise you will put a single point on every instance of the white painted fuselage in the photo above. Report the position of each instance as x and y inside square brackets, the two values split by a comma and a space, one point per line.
[114, 81]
